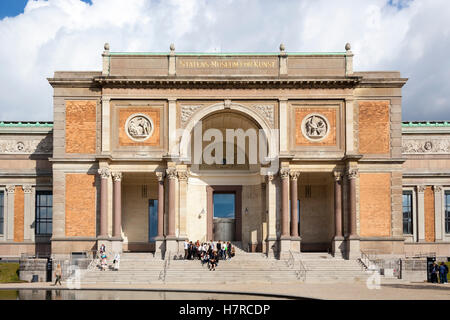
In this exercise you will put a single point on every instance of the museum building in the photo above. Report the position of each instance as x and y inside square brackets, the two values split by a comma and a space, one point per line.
[121, 164]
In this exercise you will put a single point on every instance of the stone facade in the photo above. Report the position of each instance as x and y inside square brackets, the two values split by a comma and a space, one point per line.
[335, 143]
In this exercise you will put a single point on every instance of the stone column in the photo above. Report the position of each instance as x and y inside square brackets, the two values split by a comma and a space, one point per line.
[338, 240]
[104, 175]
[160, 176]
[182, 207]
[117, 230]
[117, 213]
[295, 238]
[353, 249]
[285, 243]
[159, 240]
[171, 239]
[271, 211]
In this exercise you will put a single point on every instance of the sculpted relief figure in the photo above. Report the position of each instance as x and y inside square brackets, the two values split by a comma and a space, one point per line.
[139, 127]
[315, 127]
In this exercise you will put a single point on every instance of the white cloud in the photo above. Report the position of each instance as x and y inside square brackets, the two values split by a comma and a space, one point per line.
[409, 36]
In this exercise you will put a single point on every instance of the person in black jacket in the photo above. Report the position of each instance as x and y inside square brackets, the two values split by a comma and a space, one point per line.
[434, 270]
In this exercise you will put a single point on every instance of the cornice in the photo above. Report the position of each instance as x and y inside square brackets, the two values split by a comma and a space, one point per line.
[230, 81]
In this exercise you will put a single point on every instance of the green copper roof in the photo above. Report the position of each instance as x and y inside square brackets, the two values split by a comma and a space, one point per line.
[410, 124]
[227, 53]
[26, 124]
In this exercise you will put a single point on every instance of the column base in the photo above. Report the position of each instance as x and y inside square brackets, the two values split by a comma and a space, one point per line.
[171, 246]
[338, 247]
[160, 247]
[271, 247]
[116, 245]
[284, 245]
[296, 244]
[353, 248]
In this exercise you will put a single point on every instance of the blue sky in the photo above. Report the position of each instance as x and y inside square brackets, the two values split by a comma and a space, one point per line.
[40, 37]
[12, 8]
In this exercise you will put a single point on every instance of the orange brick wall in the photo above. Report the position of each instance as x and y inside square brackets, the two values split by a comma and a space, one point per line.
[81, 126]
[301, 113]
[19, 212]
[429, 214]
[374, 127]
[375, 204]
[80, 205]
[152, 113]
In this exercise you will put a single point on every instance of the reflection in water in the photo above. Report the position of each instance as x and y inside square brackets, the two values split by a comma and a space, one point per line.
[120, 295]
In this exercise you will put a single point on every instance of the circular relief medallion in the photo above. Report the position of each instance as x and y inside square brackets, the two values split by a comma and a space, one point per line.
[139, 127]
[20, 146]
[315, 127]
[428, 146]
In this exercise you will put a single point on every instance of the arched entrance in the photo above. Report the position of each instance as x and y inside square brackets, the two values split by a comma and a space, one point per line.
[232, 185]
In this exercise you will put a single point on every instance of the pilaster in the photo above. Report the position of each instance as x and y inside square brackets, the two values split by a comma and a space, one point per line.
[9, 221]
[421, 213]
[27, 218]
[438, 213]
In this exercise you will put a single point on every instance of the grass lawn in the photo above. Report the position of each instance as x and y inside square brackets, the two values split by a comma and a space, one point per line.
[9, 272]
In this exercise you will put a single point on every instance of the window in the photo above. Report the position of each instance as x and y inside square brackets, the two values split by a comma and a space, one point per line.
[407, 213]
[44, 206]
[2, 206]
[152, 219]
[224, 205]
[447, 212]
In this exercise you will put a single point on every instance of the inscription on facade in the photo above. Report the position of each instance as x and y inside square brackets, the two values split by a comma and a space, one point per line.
[227, 64]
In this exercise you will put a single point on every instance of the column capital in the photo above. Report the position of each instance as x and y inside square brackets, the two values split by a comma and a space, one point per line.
[160, 175]
[104, 173]
[352, 173]
[294, 175]
[269, 177]
[284, 173]
[183, 175]
[437, 188]
[10, 188]
[337, 175]
[117, 176]
[421, 189]
[26, 188]
[171, 173]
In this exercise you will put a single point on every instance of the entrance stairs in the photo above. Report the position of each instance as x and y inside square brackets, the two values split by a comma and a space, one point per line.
[244, 267]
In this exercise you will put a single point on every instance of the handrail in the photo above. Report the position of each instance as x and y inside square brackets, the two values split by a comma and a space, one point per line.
[368, 263]
[301, 272]
[163, 273]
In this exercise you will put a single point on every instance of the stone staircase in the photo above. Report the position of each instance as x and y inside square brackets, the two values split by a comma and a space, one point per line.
[322, 268]
[143, 268]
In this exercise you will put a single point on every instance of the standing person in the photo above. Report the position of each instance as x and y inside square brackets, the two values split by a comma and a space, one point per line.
[58, 274]
[186, 249]
[434, 272]
[219, 249]
[229, 249]
[116, 261]
[224, 251]
[102, 249]
[443, 270]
